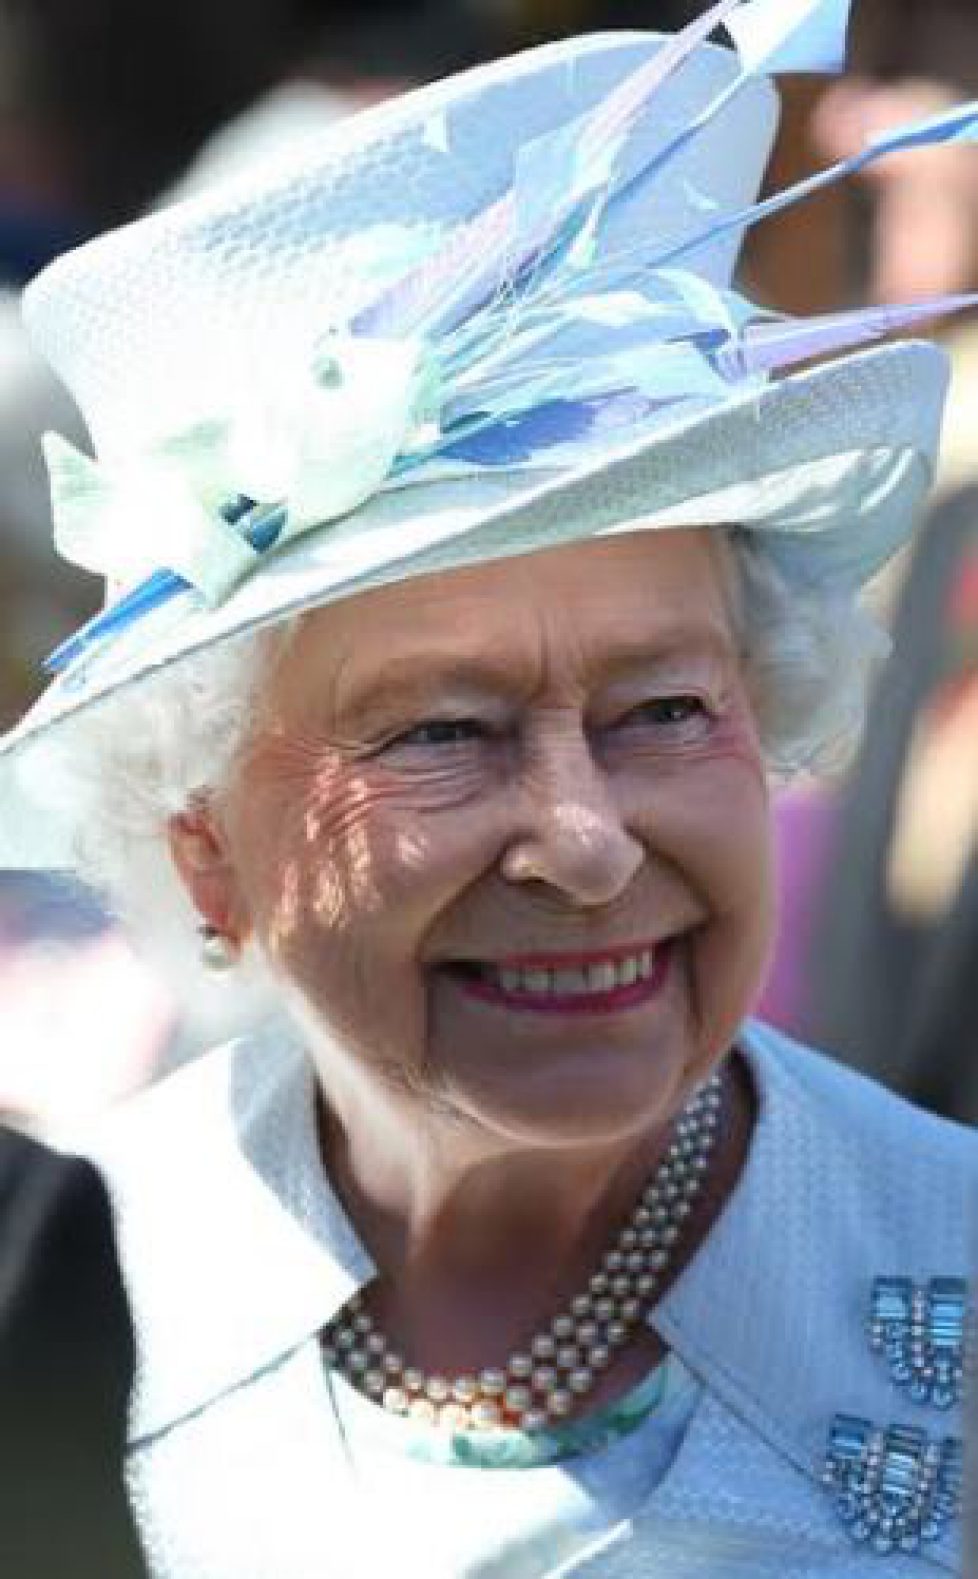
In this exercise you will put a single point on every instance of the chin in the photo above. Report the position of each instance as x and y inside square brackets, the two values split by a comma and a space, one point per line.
[588, 1096]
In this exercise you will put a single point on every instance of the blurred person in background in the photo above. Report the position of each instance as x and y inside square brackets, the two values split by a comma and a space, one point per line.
[105, 103]
[893, 962]
[916, 233]
[66, 1361]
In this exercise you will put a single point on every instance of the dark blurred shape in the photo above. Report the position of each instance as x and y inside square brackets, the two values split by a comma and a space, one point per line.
[103, 103]
[540, 19]
[66, 1357]
[916, 38]
[894, 968]
[406, 40]
[110, 98]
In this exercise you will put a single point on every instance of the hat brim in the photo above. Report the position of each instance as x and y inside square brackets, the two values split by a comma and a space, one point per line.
[828, 467]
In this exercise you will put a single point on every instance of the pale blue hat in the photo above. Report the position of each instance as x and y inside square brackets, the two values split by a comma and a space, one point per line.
[481, 320]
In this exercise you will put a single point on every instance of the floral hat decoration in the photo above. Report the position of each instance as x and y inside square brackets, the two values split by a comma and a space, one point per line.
[486, 318]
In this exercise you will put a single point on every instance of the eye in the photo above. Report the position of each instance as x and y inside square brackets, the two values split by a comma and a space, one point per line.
[667, 711]
[440, 732]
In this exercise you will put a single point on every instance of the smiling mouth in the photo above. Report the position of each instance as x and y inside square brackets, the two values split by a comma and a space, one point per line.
[551, 984]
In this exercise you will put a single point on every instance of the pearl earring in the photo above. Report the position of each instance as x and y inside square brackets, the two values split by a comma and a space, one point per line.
[217, 951]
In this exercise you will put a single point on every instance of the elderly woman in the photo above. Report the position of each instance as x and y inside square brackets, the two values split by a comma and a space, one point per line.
[468, 569]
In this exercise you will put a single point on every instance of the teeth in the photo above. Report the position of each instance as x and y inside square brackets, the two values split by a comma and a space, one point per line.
[565, 981]
[604, 976]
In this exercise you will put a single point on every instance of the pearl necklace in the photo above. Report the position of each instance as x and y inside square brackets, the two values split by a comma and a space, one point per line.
[545, 1381]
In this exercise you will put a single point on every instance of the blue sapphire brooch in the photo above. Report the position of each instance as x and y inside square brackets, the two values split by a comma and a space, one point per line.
[895, 1488]
[922, 1331]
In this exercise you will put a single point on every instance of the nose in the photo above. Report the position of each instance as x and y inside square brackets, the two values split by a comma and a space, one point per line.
[572, 835]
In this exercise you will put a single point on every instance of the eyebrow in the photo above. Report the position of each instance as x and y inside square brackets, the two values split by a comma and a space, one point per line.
[421, 675]
[423, 672]
[696, 640]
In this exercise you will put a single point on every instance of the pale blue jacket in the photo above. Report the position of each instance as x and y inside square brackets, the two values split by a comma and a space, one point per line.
[236, 1253]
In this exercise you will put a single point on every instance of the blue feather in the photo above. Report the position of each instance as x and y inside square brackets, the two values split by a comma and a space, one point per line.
[959, 125]
[956, 125]
[512, 440]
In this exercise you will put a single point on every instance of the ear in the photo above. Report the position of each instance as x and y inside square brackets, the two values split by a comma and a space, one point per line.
[198, 848]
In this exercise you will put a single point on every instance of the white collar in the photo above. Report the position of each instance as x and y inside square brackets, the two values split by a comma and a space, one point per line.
[234, 1248]
[236, 1251]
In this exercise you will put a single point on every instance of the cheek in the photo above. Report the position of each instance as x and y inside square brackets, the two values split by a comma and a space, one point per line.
[722, 819]
[352, 854]
[716, 828]
[708, 809]
[709, 817]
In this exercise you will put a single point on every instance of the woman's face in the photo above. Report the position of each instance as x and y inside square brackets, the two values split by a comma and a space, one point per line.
[503, 834]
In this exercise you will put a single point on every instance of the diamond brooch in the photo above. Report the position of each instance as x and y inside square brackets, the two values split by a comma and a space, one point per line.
[895, 1488]
[922, 1331]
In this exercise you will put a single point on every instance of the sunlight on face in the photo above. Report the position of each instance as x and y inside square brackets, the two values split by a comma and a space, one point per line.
[537, 765]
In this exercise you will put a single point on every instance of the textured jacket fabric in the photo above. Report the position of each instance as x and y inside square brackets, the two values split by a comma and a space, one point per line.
[66, 1357]
[236, 1253]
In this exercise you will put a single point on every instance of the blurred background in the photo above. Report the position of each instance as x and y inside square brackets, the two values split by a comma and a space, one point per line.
[110, 107]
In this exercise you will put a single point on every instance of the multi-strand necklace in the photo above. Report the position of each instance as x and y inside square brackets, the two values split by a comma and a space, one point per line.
[545, 1381]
